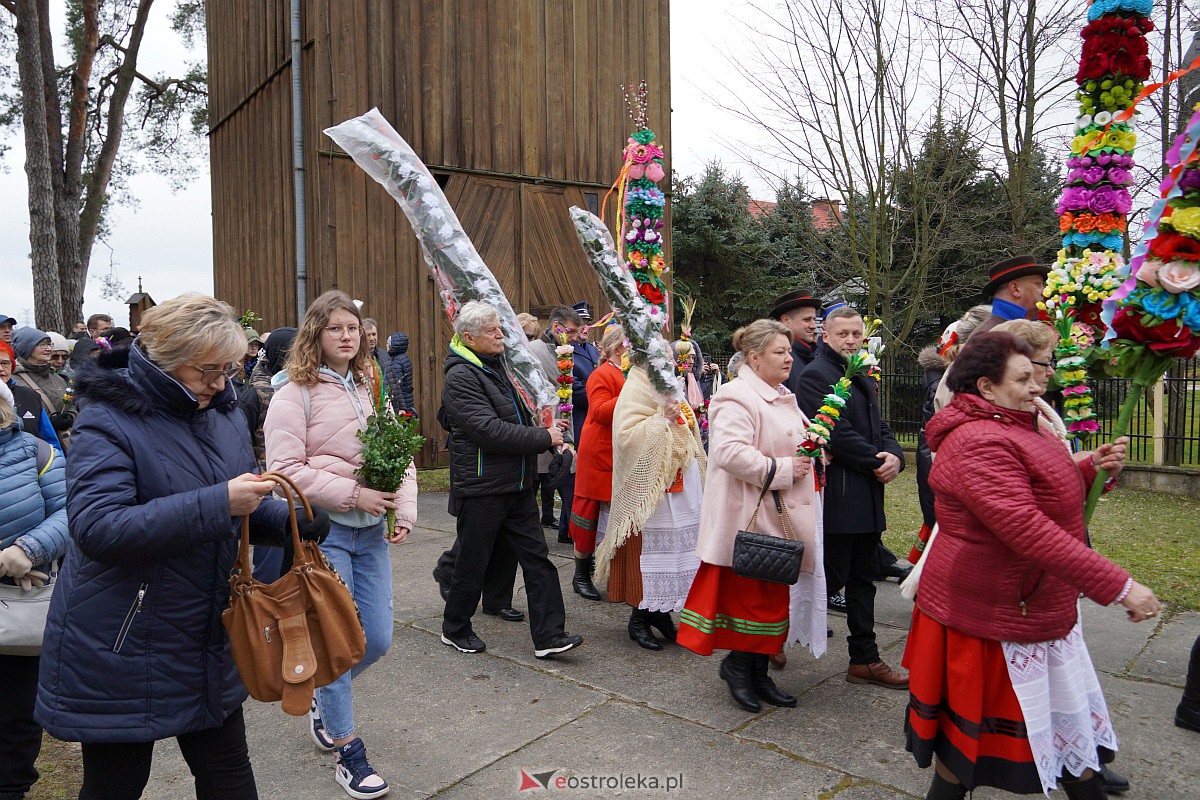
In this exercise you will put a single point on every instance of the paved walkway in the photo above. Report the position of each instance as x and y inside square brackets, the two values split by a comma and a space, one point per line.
[438, 723]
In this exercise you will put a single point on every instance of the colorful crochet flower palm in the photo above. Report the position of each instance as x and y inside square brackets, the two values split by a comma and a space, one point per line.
[1113, 66]
[821, 426]
[642, 204]
[1155, 313]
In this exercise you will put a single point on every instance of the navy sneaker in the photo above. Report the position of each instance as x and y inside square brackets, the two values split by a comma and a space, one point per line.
[354, 773]
[317, 729]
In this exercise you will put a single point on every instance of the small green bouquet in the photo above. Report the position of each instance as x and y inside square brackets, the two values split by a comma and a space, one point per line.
[390, 441]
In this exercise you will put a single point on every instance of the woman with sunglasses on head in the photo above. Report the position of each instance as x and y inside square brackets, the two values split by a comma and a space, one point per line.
[332, 384]
[159, 475]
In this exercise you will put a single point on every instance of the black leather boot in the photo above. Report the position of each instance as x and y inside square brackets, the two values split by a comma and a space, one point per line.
[942, 789]
[639, 630]
[1091, 789]
[1113, 781]
[764, 687]
[662, 622]
[1187, 713]
[582, 582]
[736, 671]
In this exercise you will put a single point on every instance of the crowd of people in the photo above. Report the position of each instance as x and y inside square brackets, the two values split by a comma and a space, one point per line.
[131, 462]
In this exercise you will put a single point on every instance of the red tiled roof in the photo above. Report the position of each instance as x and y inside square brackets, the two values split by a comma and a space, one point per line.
[760, 208]
[825, 213]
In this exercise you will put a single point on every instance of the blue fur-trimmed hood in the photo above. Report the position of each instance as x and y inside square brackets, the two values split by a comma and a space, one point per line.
[143, 387]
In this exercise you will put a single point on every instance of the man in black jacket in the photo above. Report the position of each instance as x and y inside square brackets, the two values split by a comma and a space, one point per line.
[863, 458]
[493, 445]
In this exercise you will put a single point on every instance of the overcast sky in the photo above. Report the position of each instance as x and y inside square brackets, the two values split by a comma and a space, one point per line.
[167, 238]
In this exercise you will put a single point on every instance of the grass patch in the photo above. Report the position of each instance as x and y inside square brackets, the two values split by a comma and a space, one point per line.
[433, 480]
[1154, 536]
[61, 766]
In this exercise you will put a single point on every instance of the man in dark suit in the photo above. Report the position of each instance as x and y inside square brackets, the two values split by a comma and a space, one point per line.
[798, 310]
[864, 458]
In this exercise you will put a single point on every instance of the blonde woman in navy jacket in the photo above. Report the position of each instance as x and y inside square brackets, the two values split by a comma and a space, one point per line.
[33, 533]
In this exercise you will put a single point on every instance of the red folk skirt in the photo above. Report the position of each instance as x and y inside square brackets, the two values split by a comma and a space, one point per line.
[725, 611]
[962, 708]
[585, 513]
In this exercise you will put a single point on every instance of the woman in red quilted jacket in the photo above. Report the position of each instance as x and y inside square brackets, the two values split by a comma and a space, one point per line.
[1002, 689]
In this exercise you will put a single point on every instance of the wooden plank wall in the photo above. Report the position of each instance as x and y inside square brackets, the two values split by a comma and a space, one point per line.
[517, 103]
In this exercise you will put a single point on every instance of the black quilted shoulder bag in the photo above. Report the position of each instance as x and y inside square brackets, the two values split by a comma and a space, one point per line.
[765, 557]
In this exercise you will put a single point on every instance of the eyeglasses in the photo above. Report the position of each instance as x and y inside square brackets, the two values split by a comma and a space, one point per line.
[336, 331]
[1042, 364]
[58, 356]
[212, 374]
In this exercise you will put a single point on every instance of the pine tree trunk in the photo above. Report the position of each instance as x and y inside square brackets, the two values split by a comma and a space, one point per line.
[73, 267]
[88, 221]
[39, 169]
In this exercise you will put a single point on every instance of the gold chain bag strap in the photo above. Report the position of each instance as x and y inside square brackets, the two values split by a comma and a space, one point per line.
[298, 633]
[765, 557]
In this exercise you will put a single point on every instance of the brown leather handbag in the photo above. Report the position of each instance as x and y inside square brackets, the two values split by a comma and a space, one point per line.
[298, 633]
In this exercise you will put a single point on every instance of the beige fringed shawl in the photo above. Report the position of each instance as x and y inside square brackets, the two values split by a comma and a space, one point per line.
[648, 452]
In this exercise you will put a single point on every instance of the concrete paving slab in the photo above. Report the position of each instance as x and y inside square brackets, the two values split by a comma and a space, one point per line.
[1165, 656]
[427, 717]
[441, 723]
[1160, 760]
[1113, 641]
[622, 740]
[858, 728]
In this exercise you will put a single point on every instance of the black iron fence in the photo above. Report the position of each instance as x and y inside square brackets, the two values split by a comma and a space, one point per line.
[1164, 430]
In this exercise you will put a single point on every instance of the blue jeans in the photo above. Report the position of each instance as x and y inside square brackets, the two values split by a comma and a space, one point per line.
[360, 555]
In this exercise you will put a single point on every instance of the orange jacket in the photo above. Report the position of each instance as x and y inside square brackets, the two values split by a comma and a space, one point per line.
[593, 469]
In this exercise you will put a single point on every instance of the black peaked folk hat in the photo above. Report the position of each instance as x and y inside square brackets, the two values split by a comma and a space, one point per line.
[797, 298]
[1011, 268]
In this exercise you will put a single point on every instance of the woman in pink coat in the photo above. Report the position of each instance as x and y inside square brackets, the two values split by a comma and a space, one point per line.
[311, 436]
[754, 422]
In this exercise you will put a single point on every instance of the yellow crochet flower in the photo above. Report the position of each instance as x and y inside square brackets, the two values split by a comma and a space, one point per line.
[1185, 221]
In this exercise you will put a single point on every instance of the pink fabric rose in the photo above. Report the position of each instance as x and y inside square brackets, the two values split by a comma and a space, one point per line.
[1148, 272]
[1178, 276]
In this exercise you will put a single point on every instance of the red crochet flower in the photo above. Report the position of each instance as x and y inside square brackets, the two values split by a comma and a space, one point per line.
[1167, 338]
[1171, 246]
[651, 293]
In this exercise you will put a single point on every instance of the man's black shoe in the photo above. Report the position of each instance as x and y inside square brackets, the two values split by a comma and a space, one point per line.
[837, 602]
[897, 570]
[557, 644]
[467, 643]
[549, 522]
[1187, 716]
[443, 585]
[506, 614]
[1114, 782]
